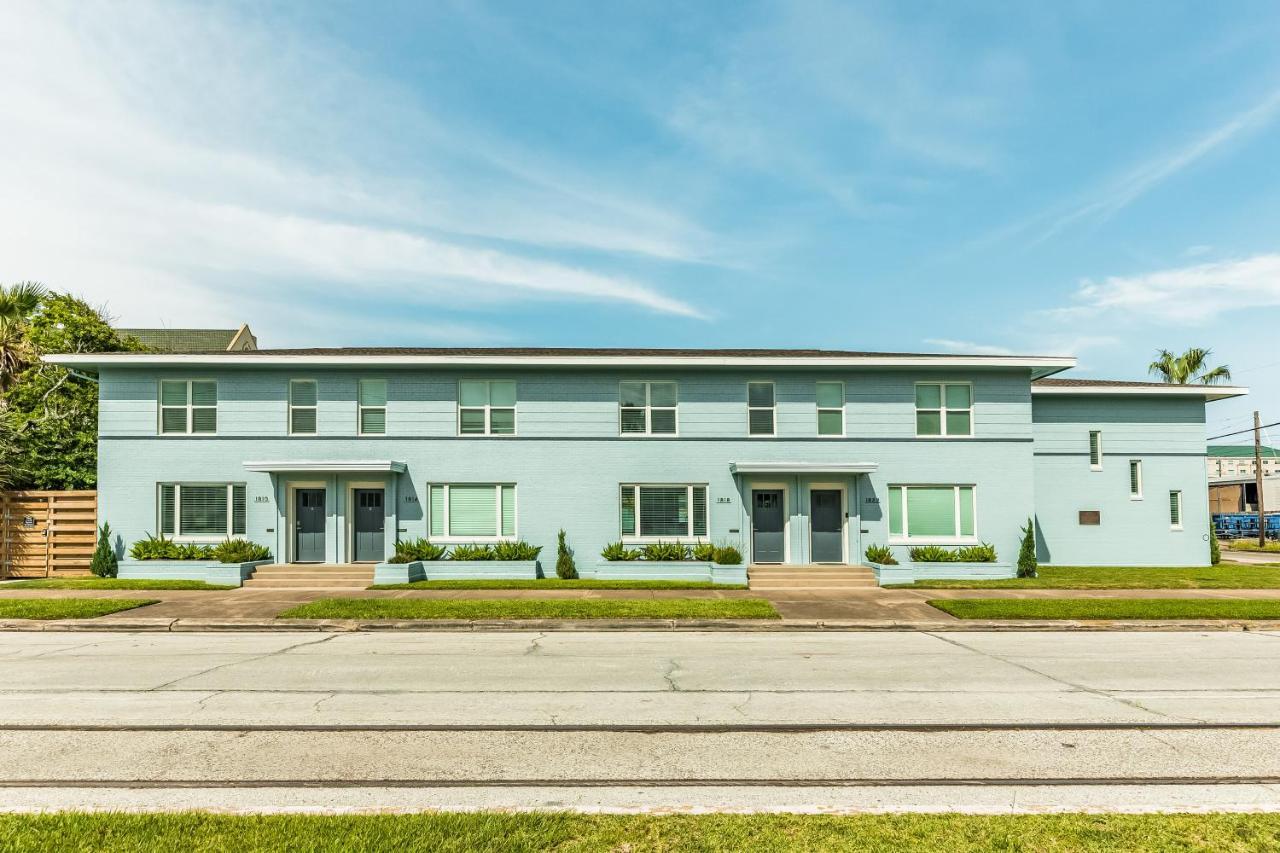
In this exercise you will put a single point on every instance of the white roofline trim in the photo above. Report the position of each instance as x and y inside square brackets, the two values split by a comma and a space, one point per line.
[340, 466]
[1216, 392]
[803, 467]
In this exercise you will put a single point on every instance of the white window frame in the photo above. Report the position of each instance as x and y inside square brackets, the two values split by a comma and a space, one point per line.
[177, 535]
[449, 538]
[1175, 496]
[649, 408]
[773, 410]
[488, 408]
[315, 408]
[1135, 465]
[189, 407]
[821, 409]
[689, 536]
[905, 537]
[361, 409]
[943, 409]
[1095, 441]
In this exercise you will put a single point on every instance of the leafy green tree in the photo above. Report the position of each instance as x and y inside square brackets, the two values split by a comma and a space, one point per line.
[18, 303]
[1027, 564]
[1190, 368]
[10, 474]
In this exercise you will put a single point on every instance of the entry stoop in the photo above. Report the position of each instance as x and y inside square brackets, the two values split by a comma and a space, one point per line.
[810, 578]
[295, 576]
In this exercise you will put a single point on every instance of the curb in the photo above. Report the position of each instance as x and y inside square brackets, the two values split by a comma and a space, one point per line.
[580, 625]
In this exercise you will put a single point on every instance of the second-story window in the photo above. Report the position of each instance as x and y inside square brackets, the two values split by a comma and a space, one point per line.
[302, 407]
[647, 408]
[830, 408]
[944, 409]
[1095, 449]
[760, 403]
[487, 407]
[372, 403]
[188, 406]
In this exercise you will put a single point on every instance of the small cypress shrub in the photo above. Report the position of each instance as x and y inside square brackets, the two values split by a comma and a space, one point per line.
[1215, 553]
[1027, 555]
[104, 563]
[565, 568]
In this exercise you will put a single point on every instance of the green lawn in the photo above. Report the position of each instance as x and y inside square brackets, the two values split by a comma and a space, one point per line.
[1122, 577]
[111, 583]
[560, 831]
[66, 608]
[534, 608]
[550, 583]
[1108, 608]
[1249, 545]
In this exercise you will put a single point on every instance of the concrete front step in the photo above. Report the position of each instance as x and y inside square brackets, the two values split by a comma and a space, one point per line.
[763, 583]
[338, 576]
[307, 583]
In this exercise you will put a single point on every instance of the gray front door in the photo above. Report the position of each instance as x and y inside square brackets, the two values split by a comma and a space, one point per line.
[368, 525]
[767, 526]
[826, 519]
[308, 523]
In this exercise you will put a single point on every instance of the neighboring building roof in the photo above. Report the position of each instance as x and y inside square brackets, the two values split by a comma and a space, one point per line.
[1125, 388]
[195, 340]
[1240, 451]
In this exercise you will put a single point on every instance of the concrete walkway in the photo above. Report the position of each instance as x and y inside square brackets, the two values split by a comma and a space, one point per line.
[1253, 558]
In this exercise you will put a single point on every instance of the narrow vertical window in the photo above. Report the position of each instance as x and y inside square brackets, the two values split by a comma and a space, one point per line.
[760, 409]
[373, 406]
[1135, 479]
[302, 406]
[830, 397]
[944, 409]
[1095, 450]
[1175, 510]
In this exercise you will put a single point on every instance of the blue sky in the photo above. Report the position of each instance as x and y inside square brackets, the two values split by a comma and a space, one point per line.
[1093, 179]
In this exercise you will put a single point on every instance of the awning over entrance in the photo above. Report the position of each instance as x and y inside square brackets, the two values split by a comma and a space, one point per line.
[802, 467]
[331, 466]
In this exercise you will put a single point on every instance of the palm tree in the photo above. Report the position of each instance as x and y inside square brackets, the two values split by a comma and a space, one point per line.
[17, 303]
[1190, 368]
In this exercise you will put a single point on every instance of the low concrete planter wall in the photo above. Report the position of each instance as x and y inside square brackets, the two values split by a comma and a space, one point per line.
[911, 572]
[682, 570]
[439, 570]
[209, 571]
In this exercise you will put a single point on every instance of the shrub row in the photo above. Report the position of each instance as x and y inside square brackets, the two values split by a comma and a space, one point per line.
[413, 550]
[983, 553]
[673, 552]
[227, 551]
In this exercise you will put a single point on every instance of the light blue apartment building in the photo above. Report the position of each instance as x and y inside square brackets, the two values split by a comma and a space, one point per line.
[797, 457]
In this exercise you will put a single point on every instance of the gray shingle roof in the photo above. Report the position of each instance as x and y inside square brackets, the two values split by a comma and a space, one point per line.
[183, 340]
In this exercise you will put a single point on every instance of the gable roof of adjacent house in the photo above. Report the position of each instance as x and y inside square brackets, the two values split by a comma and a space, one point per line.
[195, 340]
[1240, 451]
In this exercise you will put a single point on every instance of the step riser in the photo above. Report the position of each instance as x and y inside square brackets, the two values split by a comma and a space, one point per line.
[305, 584]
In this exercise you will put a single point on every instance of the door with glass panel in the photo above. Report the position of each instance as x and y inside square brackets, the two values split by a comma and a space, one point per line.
[369, 524]
[826, 520]
[308, 524]
[767, 531]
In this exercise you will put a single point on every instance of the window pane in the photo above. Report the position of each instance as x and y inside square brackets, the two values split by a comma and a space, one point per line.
[204, 420]
[959, 423]
[928, 396]
[508, 510]
[662, 421]
[173, 393]
[1135, 478]
[966, 511]
[1095, 448]
[502, 393]
[473, 393]
[472, 421]
[437, 511]
[959, 396]
[662, 394]
[373, 421]
[302, 421]
[628, 504]
[631, 394]
[699, 510]
[237, 510]
[760, 421]
[373, 392]
[633, 420]
[173, 420]
[895, 510]
[760, 394]
[830, 395]
[502, 421]
[664, 511]
[204, 393]
[1175, 508]
[204, 511]
[931, 511]
[473, 511]
[831, 423]
[928, 423]
[302, 393]
[166, 510]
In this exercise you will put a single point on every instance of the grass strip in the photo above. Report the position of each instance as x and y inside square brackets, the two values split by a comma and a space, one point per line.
[112, 583]
[533, 608]
[549, 583]
[1122, 577]
[66, 608]
[564, 832]
[1109, 608]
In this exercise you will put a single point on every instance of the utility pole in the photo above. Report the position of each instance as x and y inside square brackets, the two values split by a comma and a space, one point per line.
[1257, 461]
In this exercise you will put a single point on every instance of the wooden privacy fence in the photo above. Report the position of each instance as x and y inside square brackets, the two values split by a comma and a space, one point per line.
[47, 534]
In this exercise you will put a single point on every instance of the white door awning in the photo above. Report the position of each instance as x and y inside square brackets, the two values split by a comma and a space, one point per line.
[329, 466]
[802, 467]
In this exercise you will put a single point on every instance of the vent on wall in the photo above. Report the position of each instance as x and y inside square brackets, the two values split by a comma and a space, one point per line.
[1091, 517]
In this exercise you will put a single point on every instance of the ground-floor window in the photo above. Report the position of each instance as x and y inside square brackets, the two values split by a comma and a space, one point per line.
[473, 510]
[201, 510]
[663, 510]
[934, 513]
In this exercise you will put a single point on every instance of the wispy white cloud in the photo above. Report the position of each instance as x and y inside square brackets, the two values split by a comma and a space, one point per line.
[968, 347]
[1197, 251]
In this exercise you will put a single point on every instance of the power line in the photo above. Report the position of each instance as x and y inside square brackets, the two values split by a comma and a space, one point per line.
[1239, 431]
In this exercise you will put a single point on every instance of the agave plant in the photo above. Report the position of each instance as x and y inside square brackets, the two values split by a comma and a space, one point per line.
[472, 552]
[932, 554]
[984, 553]
[727, 555]
[881, 554]
[665, 552]
[616, 552]
[515, 550]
